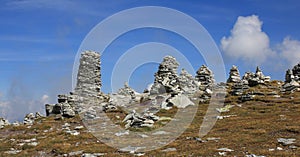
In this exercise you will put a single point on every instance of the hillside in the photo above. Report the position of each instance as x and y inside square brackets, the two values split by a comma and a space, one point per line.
[251, 128]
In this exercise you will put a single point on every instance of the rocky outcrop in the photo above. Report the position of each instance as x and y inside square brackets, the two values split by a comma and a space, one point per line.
[234, 75]
[253, 79]
[166, 78]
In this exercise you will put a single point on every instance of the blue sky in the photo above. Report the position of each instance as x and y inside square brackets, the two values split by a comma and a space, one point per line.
[39, 41]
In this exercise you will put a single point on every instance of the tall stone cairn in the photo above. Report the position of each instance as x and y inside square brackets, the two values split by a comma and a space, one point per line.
[89, 76]
[166, 78]
[234, 75]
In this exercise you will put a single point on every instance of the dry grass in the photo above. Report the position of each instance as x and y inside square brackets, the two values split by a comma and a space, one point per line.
[254, 130]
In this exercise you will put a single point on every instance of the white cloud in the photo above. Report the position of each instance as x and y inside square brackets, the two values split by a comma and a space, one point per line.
[247, 41]
[290, 51]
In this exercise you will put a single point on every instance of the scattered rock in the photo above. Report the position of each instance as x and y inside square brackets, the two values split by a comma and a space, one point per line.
[169, 150]
[75, 153]
[12, 151]
[253, 155]
[225, 149]
[286, 141]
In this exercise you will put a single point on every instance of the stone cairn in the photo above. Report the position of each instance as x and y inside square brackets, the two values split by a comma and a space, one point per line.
[187, 82]
[88, 87]
[205, 77]
[127, 91]
[166, 78]
[234, 75]
[249, 79]
[292, 79]
[253, 79]
[238, 86]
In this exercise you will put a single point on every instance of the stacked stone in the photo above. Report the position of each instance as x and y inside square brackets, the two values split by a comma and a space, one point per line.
[292, 79]
[64, 106]
[234, 75]
[127, 91]
[205, 76]
[87, 88]
[89, 76]
[135, 119]
[187, 82]
[166, 78]
[253, 79]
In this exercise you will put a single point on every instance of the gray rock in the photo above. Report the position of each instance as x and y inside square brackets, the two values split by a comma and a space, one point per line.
[169, 150]
[180, 101]
[67, 110]
[286, 141]
[29, 119]
[225, 149]
[3, 122]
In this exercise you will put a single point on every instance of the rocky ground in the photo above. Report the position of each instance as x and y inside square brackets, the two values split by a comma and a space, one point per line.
[266, 123]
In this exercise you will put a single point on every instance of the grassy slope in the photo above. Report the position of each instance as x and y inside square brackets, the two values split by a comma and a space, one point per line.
[255, 130]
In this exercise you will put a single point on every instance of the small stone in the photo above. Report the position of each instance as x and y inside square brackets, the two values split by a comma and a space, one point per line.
[169, 150]
[225, 149]
[286, 141]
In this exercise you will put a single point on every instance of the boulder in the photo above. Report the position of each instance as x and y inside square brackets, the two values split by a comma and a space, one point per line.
[180, 101]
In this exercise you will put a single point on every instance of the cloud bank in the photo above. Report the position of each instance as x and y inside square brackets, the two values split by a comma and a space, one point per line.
[249, 43]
